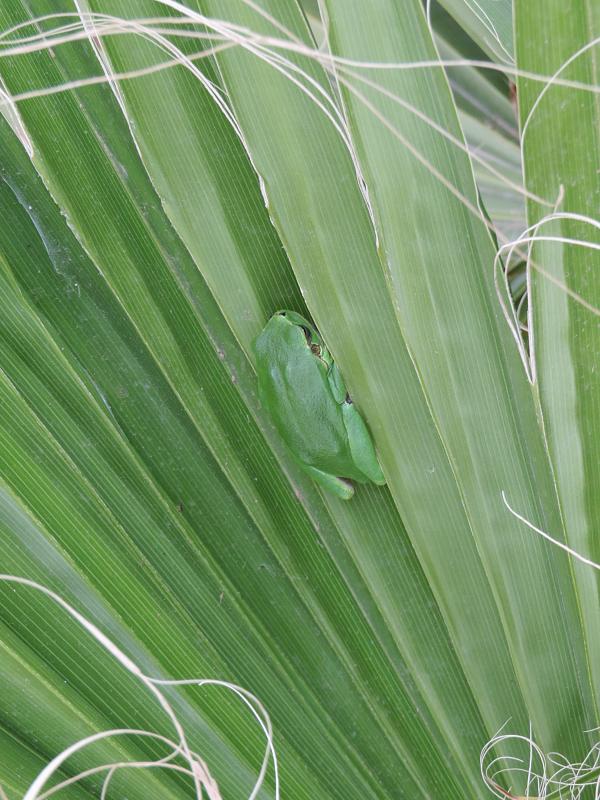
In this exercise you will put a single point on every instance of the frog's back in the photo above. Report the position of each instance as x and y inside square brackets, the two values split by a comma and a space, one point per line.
[294, 388]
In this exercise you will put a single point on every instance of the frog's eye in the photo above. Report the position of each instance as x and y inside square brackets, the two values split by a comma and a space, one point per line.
[316, 349]
[306, 333]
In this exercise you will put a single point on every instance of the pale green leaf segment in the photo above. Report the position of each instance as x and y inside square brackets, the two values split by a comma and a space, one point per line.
[143, 481]
[561, 153]
[489, 122]
[488, 22]
[139, 484]
[505, 204]
[454, 42]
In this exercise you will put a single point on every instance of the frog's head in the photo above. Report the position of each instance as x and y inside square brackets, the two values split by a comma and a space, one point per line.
[286, 318]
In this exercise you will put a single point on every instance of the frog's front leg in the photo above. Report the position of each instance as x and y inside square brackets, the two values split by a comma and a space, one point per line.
[337, 486]
[336, 384]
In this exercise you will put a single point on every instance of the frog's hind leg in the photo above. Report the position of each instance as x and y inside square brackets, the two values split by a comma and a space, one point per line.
[338, 486]
[361, 444]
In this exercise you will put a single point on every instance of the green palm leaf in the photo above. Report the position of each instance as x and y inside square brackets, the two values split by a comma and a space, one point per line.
[140, 254]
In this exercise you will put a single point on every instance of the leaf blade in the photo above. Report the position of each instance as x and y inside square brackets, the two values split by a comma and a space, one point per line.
[556, 121]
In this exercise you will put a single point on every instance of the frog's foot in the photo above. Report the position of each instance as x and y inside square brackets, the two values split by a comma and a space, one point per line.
[338, 486]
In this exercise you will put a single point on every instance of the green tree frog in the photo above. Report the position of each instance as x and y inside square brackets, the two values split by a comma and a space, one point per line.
[302, 389]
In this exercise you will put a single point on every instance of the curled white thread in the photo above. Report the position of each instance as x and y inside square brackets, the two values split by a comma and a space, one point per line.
[529, 237]
[554, 776]
[545, 775]
[196, 768]
[235, 35]
[549, 538]
[554, 81]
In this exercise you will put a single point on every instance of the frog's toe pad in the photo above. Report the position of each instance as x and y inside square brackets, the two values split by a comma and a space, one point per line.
[345, 489]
